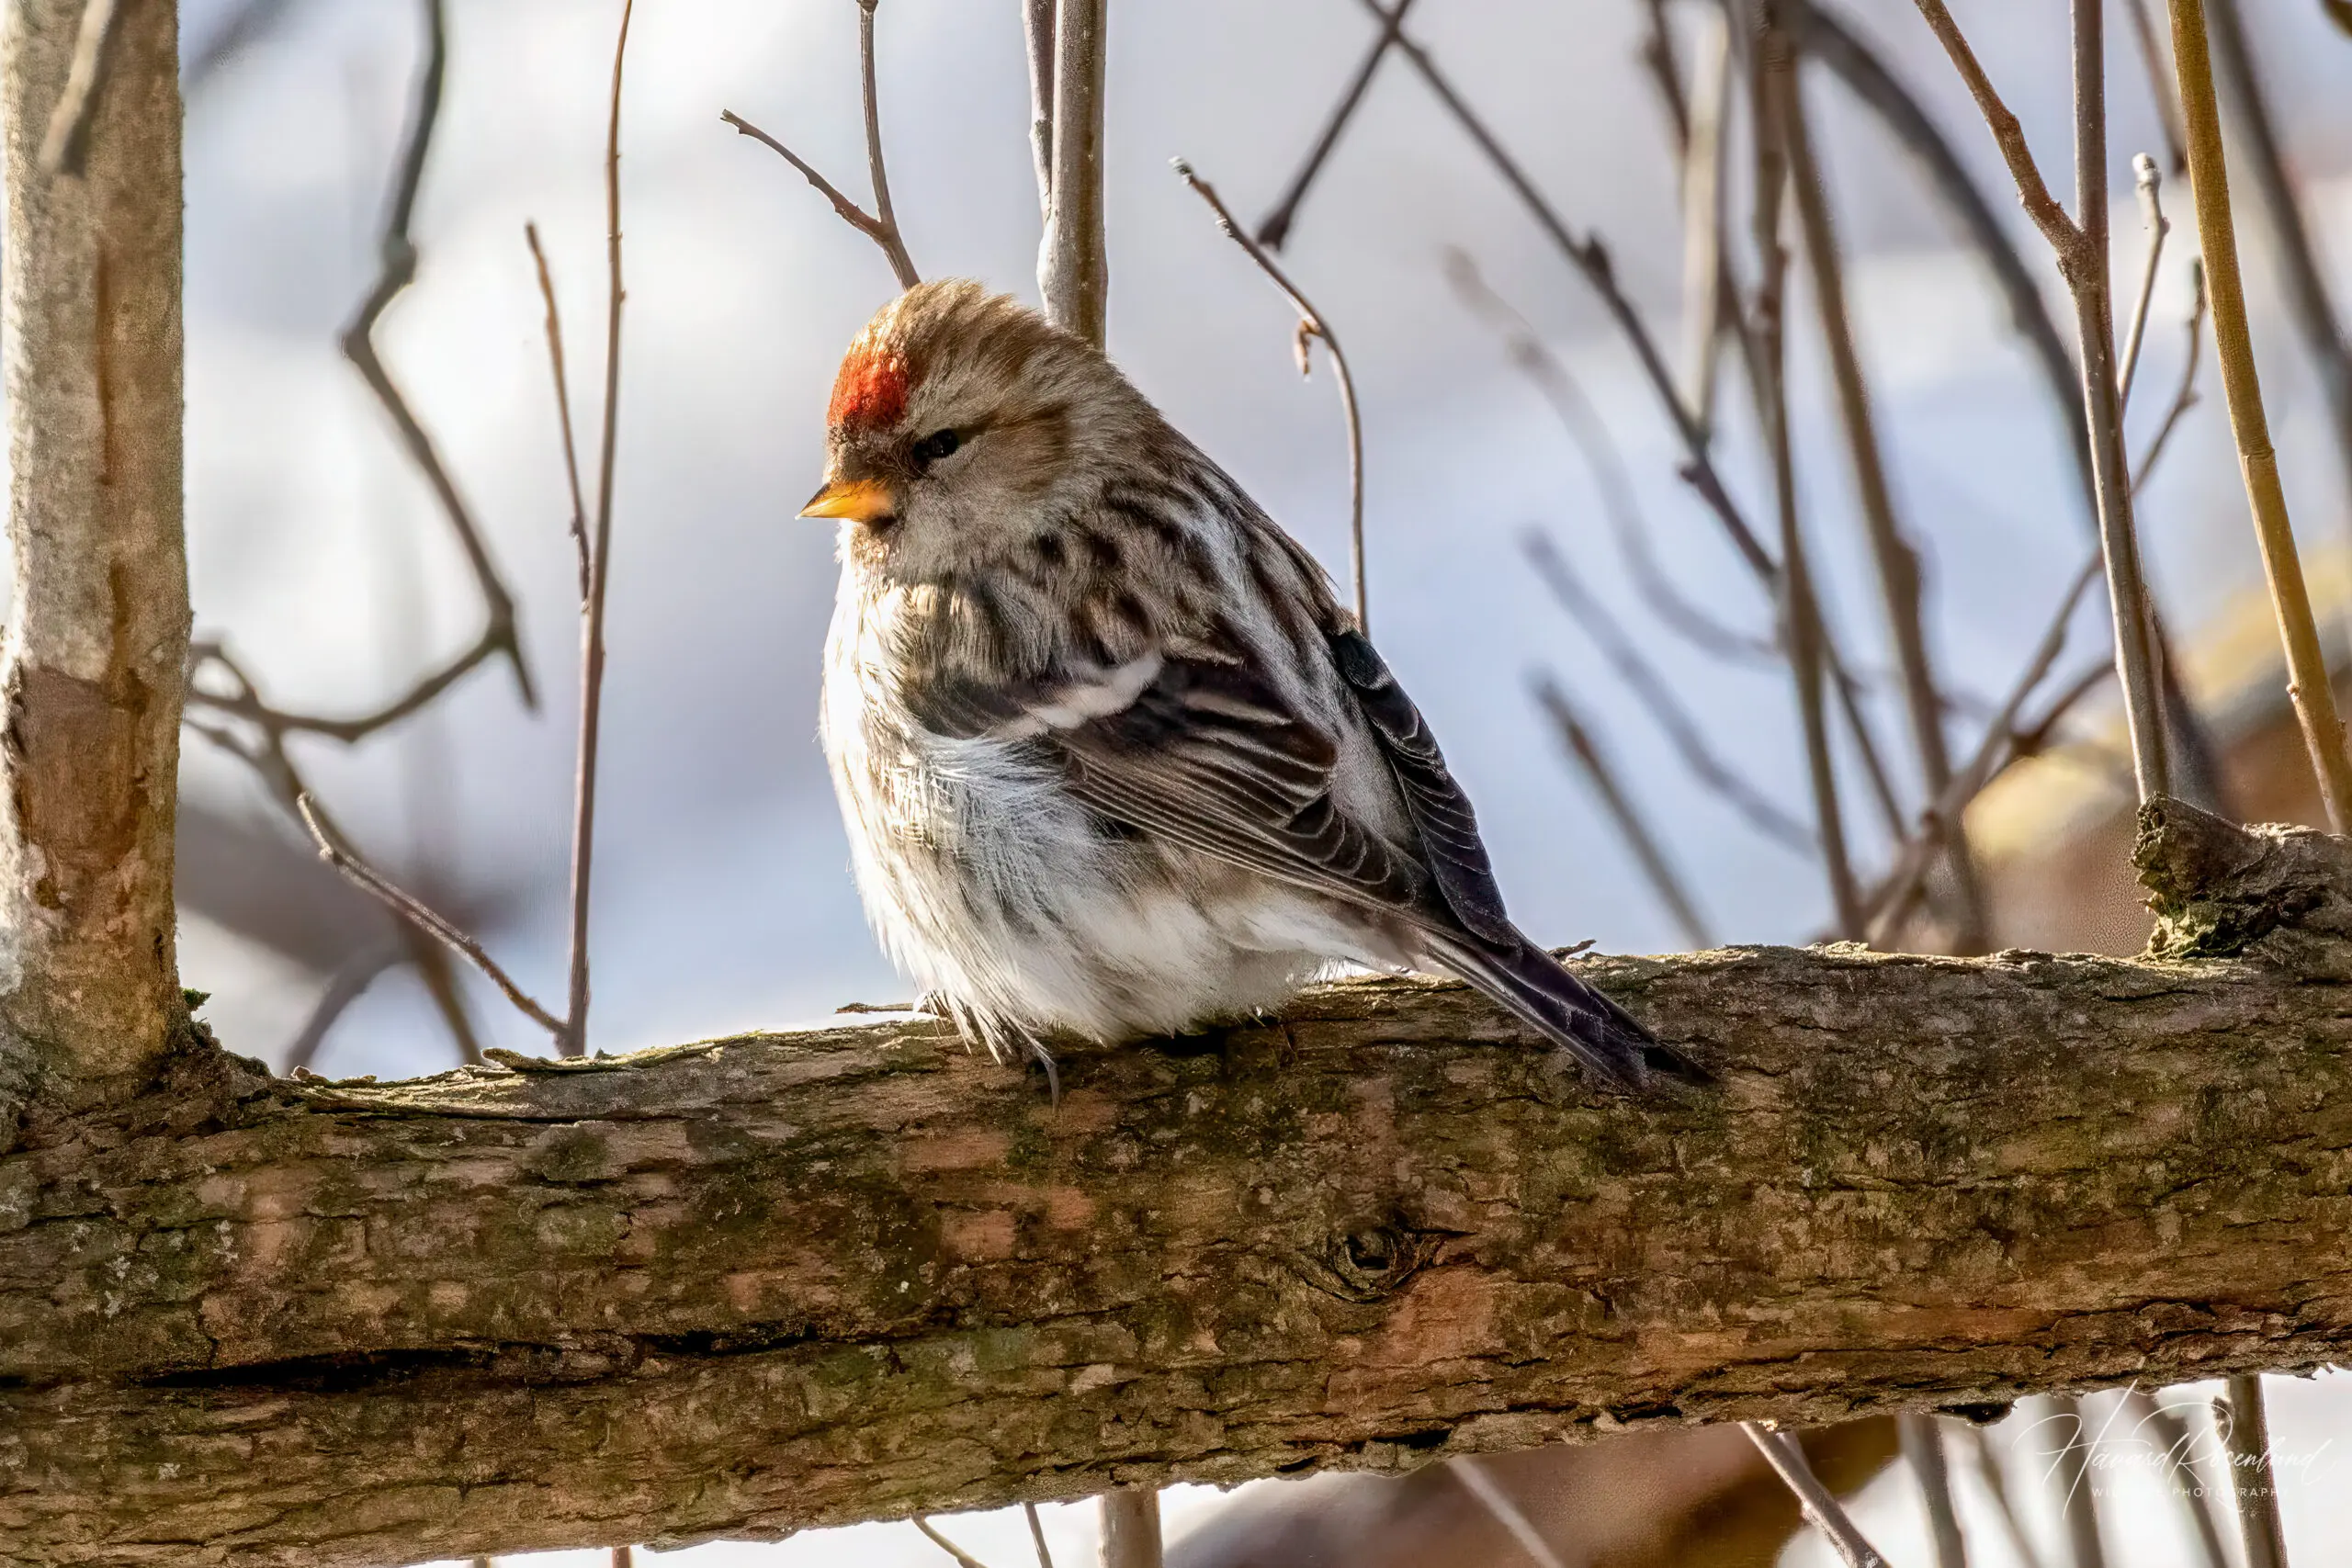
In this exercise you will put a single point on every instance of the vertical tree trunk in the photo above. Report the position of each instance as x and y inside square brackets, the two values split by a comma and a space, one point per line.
[96, 641]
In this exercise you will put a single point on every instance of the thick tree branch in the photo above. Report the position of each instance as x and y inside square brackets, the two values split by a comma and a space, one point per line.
[762, 1283]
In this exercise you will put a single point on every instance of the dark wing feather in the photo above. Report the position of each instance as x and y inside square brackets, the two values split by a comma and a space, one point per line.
[1441, 812]
[1215, 756]
[1210, 752]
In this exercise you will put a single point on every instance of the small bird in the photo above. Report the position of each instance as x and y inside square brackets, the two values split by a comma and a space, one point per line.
[1113, 758]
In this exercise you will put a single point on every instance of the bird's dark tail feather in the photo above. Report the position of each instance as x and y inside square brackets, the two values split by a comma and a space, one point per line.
[1611, 1042]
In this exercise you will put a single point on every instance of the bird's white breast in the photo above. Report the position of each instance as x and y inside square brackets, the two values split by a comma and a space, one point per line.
[987, 883]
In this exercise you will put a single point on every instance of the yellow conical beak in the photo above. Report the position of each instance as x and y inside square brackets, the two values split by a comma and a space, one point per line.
[861, 501]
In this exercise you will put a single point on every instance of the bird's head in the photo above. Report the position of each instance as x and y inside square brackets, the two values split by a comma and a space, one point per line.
[958, 418]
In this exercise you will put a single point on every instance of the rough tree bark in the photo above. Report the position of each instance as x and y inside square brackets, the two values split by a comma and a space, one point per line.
[758, 1284]
[91, 673]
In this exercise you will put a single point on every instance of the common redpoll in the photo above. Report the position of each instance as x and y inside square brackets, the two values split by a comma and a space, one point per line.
[1113, 758]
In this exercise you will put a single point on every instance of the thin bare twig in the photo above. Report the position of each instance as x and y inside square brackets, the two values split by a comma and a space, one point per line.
[1706, 264]
[1712, 310]
[350, 981]
[1877, 87]
[1902, 881]
[600, 558]
[1038, 32]
[578, 529]
[1733, 320]
[2070, 1469]
[2085, 270]
[1685, 734]
[1923, 1451]
[2081, 252]
[341, 856]
[1788, 1461]
[399, 264]
[2064, 236]
[2309, 683]
[1589, 433]
[881, 225]
[2177, 1444]
[1038, 1535]
[1833, 43]
[1897, 897]
[963, 1558]
[851, 213]
[2185, 395]
[1576, 740]
[1073, 267]
[247, 25]
[69, 122]
[1836, 46]
[2302, 279]
[1897, 561]
[264, 749]
[1659, 59]
[878, 171]
[242, 701]
[1996, 1486]
[1311, 324]
[2245, 1426]
[2160, 85]
[1590, 258]
[344, 986]
[2149, 184]
[358, 727]
[2032, 739]
[1772, 79]
[1275, 227]
[1507, 1512]
[499, 634]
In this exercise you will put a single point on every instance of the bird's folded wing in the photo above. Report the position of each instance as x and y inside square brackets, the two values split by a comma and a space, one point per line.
[1442, 815]
[1207, 751]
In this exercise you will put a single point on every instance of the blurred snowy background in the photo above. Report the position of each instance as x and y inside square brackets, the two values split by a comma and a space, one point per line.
[723, 900]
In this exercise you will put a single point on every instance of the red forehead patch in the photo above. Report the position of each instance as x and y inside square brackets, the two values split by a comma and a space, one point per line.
[870, 390]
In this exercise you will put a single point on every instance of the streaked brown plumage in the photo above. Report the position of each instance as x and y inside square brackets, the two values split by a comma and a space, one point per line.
[1113, 758]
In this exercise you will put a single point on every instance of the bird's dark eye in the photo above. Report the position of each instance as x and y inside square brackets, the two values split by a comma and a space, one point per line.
[933, 447]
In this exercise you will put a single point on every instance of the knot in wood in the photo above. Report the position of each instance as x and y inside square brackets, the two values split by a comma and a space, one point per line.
[1368, 1263]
